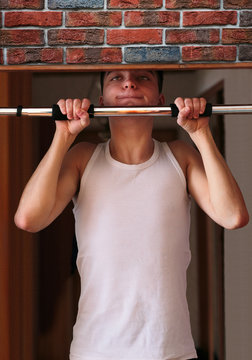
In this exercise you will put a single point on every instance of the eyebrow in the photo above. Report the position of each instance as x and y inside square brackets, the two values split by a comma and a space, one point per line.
[107, 73]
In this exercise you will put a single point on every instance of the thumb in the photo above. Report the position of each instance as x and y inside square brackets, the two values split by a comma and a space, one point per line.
[183, 115]
[84, 117]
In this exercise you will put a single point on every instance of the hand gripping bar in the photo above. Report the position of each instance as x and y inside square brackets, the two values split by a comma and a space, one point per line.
[128, 111]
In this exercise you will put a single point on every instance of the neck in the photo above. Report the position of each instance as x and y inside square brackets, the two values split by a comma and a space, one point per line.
[131, 139]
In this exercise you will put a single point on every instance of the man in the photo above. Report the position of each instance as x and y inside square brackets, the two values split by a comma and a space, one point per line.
[132, 206]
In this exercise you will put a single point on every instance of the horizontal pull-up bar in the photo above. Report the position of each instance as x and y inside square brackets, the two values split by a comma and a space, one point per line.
[104, 111]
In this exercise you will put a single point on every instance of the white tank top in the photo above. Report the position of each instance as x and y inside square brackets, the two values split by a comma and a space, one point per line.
[132, 229]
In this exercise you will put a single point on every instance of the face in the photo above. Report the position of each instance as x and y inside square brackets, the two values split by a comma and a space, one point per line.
[131, 88]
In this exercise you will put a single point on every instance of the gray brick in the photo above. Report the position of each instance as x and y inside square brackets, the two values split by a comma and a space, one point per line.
[75, 4]
[245, 52]
[152, 54]
[246, 18]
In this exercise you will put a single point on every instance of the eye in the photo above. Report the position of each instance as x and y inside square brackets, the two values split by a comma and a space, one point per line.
[144, 77]
[115, 78]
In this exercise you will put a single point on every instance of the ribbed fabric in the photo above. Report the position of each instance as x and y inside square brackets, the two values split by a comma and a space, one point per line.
[132, 229]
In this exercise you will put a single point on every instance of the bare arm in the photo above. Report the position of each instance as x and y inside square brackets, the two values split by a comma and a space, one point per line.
[209, 179]
[56, 179]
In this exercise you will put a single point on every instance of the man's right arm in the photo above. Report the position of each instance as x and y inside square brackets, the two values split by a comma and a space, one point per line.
[56, 179]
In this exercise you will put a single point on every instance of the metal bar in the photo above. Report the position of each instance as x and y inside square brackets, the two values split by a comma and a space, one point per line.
[130, 111]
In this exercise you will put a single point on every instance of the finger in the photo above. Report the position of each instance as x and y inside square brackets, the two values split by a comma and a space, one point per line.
[69, 108]
[202, 105]
[179, 102]
[196, 107]
[184, 115]
[85, 104]
[189, 104]
[83, 114]
[62, 105]
[76, 108]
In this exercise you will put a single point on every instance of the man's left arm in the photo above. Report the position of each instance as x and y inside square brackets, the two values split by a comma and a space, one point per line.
[209, 179]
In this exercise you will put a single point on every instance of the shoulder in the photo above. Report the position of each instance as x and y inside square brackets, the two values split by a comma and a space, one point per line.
[184, 153]
[80, 154]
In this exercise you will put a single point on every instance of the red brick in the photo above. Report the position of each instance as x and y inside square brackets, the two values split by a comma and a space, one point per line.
[16, 56]
[181, 36]
[152, 18]
[192, 4]
[210, 53]
[52, 55]
[237, 4]
[135, 4]
[21, 37]
[34, 55]
[194, 18]
[32, 18]
[1, 56]
[94, 55]
[22, 4]
[236, 36]
[94, 18]
[139, 36]
[74, 36]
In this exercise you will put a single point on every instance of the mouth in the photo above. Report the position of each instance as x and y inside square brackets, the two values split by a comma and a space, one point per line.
[129, 97]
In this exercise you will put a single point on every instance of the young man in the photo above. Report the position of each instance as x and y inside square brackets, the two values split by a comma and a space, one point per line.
[132, 212]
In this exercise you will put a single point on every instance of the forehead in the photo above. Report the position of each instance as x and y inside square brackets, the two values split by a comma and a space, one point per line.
[131, 72]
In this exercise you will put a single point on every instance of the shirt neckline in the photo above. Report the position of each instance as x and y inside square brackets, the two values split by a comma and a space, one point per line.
[143, 165]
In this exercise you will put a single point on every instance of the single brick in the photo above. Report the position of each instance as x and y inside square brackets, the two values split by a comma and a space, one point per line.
[245, 52]
[138, 36]
[237, 4]
[32, 18]
[135, 4]
[164, 54]
[17, 4]
[182, 36]
[236, 36]
[1, 56]
[152, 18]
[34, 55]
[16, 56]
[195, 18]
[21, 37]
[74, 36]
[52, 55]
[210, 53]
[246, 18]
[75, 4]
[94, 18]
[192, 4]
[93, 55]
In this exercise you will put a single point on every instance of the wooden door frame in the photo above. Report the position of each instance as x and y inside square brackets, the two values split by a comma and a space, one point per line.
[18, 250]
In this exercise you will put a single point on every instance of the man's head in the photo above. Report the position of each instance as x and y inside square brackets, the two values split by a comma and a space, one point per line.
[138, 87]
[159, 75]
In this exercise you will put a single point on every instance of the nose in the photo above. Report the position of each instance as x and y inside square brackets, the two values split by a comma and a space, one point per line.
[129, 84]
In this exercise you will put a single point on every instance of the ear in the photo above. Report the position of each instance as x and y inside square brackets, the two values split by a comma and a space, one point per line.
[161, 100]
[101, 102]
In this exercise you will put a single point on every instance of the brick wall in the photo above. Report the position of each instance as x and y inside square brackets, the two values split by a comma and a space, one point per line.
[125, 31]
